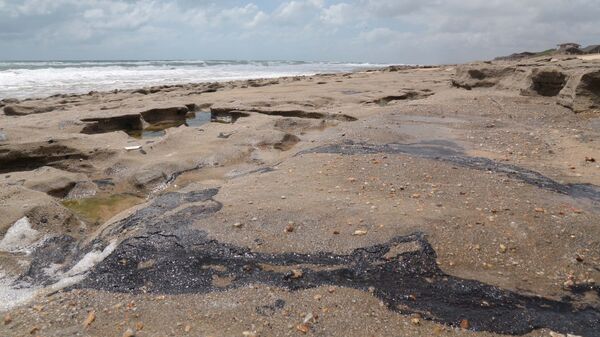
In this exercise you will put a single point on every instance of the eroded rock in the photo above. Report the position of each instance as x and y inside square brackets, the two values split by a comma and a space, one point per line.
[127, 123]
[157, 115]
[224, 110]
[582, 92]
[287, 142]
[403, 96]
[148, 178]
[547, 81]
[29, 156]
[23, 110]
[481, 75]
[52, 181]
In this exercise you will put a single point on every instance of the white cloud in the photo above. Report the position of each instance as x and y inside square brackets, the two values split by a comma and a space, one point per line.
[431, 30]
[297, 12]
[338, 14]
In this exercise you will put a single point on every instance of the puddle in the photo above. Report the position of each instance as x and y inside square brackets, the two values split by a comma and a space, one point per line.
[100, 209]
[156, 130]
[198, 118]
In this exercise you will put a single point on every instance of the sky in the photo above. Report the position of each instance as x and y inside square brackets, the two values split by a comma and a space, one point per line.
[376, 31]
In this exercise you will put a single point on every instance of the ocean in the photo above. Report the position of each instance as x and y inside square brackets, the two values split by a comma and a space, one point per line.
[29, 79]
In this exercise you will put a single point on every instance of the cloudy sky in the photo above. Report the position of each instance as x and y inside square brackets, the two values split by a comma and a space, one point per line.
[385, 31]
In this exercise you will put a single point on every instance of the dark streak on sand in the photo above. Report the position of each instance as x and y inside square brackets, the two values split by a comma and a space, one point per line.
[167, 256]
[451, 153]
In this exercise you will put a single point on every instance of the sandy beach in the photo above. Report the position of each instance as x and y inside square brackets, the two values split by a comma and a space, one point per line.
[455, 200]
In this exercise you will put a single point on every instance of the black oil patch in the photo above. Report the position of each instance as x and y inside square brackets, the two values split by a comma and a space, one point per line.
[166, 256]
[451, 153]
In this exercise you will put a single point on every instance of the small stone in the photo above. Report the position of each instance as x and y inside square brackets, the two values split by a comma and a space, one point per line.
[139, 326]
[91, 317]
[555, 334]
[129, 333]
[540, 210]
[568, 284]
[590, 159]
[438, 330]
[415, 196]
[304, 328]
[416, 321]
[187, 328]
[7, 319]
[503, 249]
[34, 330]
[237, 225]
[289, 228]
[296, 273]
[336, 232]
[283, 197]
[359, 232]
[465, 324]
[309, 317]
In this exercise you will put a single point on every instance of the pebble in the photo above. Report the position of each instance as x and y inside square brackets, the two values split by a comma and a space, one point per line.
[91, 317]
[7, 319]
[416, 321]
[187, 328]
[237, 225]
[296, 273]
[503, 248]
[465, 324]
[304, 328]
[309, 317]
[289, 228]
[359, 232]
[129, 333]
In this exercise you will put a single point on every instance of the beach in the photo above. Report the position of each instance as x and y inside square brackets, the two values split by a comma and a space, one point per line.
[448, 200]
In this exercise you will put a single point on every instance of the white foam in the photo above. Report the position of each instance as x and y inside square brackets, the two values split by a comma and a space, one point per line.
[12, 295]
[20, 237]
[89, 260]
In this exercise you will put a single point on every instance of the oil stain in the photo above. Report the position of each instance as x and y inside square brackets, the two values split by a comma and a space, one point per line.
[402, 273]
[451, 153]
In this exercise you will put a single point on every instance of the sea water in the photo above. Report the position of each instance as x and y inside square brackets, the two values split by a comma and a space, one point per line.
[28, 79]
